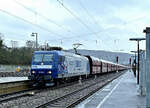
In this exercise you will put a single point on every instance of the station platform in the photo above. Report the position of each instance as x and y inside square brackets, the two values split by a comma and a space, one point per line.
[120, 93]
[12, 79]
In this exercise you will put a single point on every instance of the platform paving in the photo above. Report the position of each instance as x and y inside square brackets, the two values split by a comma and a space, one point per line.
[121, 93]
[12, 79]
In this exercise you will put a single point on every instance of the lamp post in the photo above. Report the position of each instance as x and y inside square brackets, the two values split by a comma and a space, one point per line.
[35, 34]
[138, 40]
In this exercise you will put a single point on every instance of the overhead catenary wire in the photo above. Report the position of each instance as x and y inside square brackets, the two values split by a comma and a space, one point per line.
[103, 31]
[85, 5]
[46, 18]
[36, 25]
[93, 33]
[68, 38]
[75, 16]
[90, 16]
[29, 9]
[88, 13]
[19, 39]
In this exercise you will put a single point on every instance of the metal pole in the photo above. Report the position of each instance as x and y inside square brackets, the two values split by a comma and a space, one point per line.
[36, 36]
[75, 50]
[36, 41]
[135, 64]
[144, 73]
[147, 31]
[117, 59]
[138, 62]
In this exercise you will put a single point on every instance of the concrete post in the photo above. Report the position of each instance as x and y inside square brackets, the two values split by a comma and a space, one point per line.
[142, 74]
[147, 31]
[138, 67]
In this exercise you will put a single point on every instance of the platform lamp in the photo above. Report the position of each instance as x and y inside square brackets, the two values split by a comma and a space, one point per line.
[36, 36]
[138, 50]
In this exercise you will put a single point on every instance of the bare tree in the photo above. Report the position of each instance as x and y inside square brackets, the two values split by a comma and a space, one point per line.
[14, 44]
[1, 40]
[30, 44]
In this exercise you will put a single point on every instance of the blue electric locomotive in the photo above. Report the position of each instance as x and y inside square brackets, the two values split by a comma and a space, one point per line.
[49, 66]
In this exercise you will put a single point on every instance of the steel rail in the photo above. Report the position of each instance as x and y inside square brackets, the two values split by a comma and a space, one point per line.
[54, 101]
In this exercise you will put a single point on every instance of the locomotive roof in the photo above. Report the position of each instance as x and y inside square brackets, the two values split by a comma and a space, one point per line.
[62, 53]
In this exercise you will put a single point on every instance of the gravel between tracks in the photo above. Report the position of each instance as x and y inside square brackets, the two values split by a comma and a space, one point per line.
[15, 74]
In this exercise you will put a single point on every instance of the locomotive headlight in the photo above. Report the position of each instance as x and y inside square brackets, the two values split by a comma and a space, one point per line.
[33, 72]
[49, 72]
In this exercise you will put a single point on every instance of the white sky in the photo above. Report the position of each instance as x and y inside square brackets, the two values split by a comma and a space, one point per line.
[108, 24]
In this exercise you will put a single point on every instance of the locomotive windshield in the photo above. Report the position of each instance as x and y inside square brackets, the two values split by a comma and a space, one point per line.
[43, 58]
[48, 57]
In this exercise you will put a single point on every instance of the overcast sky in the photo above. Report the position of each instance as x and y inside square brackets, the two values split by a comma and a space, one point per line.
[97, 24]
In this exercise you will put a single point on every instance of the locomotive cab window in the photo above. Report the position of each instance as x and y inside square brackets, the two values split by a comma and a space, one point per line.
[37, 57]
[48, 58]
[43, 58]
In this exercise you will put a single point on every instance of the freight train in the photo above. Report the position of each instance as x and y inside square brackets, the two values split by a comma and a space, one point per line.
[49, 67]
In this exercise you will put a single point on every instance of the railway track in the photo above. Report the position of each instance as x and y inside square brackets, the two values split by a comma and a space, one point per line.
[12, 97]
[62, 96]
[71, 99]
[29, 92]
